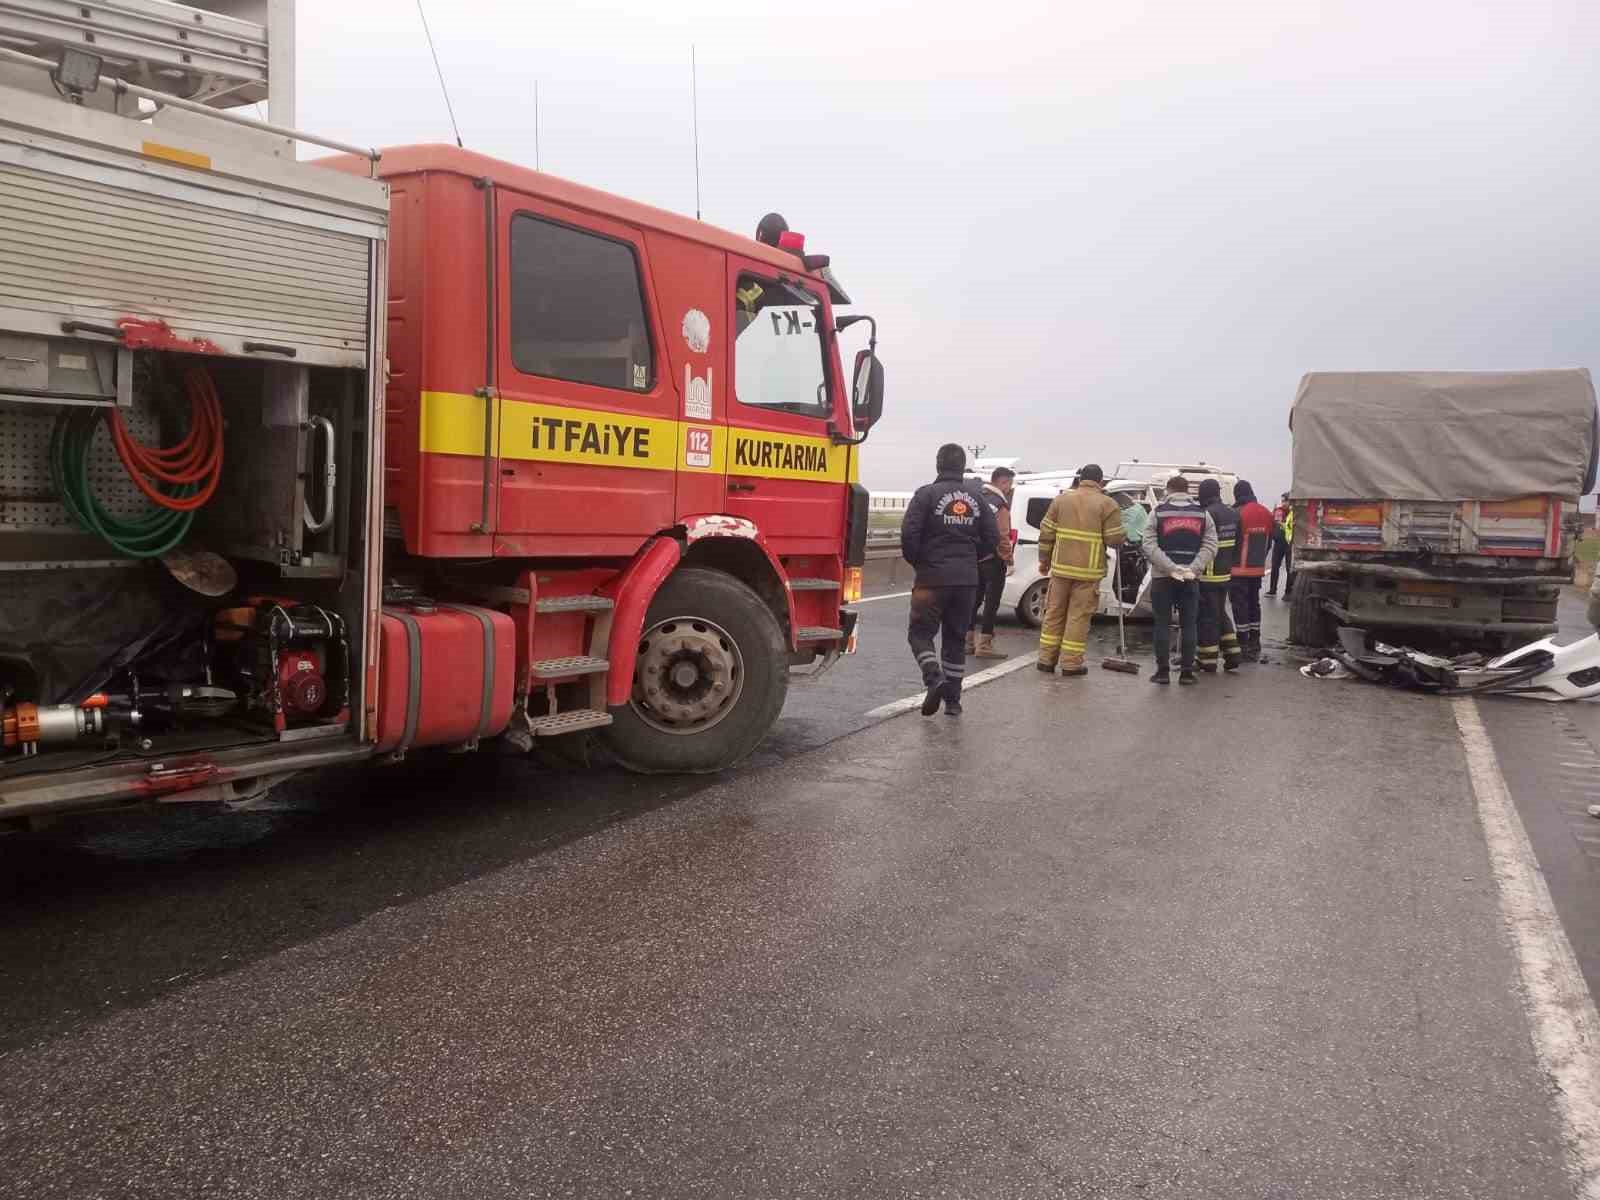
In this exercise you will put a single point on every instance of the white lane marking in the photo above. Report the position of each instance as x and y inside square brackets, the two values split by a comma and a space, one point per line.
[1560, 1010]
[890, 596]
[988, 675]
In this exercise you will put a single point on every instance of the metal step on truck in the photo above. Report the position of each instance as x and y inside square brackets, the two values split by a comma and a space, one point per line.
[305, 463]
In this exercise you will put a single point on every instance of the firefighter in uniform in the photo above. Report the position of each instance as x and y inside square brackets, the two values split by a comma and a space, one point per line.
[1216, 630]
[1256, 530]
[1073, 537]
[1179, 543]
[946, 530]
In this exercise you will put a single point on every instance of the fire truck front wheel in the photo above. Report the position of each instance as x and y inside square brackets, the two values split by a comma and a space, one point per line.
[709, 681]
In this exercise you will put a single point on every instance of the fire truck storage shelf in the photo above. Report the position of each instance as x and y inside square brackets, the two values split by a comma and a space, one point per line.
[191, 348]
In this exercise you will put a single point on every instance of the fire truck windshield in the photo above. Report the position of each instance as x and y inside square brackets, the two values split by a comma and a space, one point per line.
[779, 352]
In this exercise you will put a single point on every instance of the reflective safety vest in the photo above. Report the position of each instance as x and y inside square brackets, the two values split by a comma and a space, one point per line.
[1076, 530]
[1227, 522]
[1180, 530]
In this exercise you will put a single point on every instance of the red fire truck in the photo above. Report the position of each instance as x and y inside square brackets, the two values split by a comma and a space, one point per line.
[305, 463]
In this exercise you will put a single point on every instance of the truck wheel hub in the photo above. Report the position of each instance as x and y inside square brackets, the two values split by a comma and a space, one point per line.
[688, 677]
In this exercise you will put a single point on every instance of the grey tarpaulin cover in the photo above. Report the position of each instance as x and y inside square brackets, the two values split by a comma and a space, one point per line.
[1442, 435]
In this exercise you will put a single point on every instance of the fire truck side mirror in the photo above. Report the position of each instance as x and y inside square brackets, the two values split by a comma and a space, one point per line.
[866, 395]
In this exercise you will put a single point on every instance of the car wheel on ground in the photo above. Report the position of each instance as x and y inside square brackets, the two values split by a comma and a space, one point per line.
[1030, 609]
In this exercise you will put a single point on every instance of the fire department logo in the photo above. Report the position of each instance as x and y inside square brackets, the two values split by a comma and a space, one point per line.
[697, 331]
[956, 508]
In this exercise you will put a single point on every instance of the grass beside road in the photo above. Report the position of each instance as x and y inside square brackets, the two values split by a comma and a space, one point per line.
[883, 528]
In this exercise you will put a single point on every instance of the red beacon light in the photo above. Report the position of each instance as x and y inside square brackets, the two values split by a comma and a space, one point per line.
[774, 231]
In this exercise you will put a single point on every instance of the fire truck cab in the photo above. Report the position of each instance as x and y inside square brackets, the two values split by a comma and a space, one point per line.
[588, 395]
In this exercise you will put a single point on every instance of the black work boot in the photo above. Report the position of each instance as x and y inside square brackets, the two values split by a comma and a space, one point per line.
[930, 702]
[1232, 662]
[1162, 675]
[1187, 677]
[952, 700]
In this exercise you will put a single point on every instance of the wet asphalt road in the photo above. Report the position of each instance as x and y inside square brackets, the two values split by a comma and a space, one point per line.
[1550, 756]
[1053, 949]
[206, 894]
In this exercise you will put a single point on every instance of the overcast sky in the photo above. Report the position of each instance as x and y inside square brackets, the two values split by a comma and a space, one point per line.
[1088, 231]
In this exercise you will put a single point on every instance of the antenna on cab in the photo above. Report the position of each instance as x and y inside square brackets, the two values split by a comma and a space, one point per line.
[694, 107]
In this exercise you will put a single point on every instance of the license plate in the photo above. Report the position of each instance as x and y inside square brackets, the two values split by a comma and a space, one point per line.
[1424, 601]
[1426, 587]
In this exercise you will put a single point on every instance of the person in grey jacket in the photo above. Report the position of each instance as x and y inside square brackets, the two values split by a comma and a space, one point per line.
[1180, 542]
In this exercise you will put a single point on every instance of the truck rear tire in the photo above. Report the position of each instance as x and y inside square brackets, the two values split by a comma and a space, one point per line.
[710, 679]
[1310, 624]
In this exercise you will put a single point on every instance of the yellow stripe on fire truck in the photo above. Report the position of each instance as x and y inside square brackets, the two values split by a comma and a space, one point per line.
[452, 423]
[786, 456]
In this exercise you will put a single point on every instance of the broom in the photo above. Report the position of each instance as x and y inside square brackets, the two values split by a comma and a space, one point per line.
[1121, 662]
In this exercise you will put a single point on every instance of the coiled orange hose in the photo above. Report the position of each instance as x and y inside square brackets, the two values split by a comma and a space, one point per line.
[195, 461]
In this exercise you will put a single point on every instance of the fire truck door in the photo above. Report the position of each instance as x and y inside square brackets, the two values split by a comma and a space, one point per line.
[588, 436]
[784, 471]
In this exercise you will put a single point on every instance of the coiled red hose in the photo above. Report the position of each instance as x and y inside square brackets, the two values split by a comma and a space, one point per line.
[196, 461]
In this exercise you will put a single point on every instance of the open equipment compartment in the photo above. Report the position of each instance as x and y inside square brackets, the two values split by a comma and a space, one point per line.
[191, 373]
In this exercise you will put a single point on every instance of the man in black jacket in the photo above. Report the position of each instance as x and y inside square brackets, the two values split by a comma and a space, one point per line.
[1215, 629]
[947, 529]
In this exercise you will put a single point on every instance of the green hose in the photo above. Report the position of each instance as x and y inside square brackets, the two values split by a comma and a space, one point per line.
[147, 536]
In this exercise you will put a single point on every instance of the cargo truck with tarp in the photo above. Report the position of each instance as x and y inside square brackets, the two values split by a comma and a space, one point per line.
[1437, 502]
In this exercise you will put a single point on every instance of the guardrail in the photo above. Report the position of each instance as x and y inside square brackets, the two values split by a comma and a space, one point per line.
[885, 511]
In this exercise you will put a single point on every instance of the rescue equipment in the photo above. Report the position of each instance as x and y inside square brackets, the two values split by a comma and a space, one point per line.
[26, 727]
[178, 480]
[289, 661]
[195, 462]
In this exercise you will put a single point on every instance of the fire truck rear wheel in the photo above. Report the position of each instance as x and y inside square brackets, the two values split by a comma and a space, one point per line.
[709, 681]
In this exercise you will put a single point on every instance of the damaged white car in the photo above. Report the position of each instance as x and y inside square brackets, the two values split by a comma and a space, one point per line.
[1126, 582]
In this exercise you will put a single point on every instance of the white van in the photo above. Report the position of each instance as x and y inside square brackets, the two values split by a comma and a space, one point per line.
[1025, 587]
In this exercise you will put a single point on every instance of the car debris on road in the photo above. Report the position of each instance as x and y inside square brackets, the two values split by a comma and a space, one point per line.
[1541, 670]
